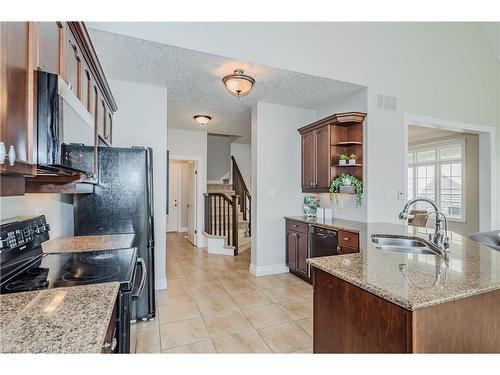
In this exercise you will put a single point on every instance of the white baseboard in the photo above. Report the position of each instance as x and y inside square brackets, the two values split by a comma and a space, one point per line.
[268, 270]
[161, 283]
[183, 229]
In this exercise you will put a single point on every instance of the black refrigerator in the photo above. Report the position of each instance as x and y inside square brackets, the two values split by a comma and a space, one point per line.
[122, 202]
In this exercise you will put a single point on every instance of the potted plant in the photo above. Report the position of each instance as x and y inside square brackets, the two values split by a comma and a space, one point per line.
[343, 158]
[346, 183]
[352, 159]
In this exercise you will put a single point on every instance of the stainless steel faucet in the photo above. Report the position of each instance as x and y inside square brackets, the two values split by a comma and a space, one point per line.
[440, 237]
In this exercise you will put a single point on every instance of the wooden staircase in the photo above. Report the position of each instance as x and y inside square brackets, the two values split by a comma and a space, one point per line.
[228, 213]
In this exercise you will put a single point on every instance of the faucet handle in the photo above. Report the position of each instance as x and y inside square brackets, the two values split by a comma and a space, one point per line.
[446, 243]
[403, 215]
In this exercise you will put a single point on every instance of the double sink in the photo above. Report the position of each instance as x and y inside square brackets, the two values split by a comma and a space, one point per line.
[419, 246]
[405, 244]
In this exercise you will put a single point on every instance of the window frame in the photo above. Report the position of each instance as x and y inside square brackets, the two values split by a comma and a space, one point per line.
[437, 146]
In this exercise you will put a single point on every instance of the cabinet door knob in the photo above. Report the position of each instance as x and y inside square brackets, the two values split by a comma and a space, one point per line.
[12, 155]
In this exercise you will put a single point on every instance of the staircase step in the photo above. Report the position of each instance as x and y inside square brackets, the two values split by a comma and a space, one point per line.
[228, 187]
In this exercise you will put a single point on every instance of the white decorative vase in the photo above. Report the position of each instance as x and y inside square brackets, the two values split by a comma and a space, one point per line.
[352, 161]
[342, 162]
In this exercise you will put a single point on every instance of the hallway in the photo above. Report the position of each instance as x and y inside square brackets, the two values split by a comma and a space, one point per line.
[213, 304]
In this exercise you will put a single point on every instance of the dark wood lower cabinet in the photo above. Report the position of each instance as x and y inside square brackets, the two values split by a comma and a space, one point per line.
[348, 319]
[110, 341]
[297, 249]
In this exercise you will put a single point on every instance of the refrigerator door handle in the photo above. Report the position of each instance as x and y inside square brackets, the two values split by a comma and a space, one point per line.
[140, 290]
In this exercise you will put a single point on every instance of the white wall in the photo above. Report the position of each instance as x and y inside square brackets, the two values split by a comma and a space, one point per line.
[243, 155]
[218, 157]
[276, 189]
[192, 145]
[441, 70]
[57, 208]
[345, 206]
[139, 105]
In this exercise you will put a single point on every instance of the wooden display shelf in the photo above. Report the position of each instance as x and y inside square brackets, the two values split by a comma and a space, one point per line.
[347, 165]
[348, 144]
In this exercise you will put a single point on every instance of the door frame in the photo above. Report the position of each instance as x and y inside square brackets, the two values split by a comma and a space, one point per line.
[487, 155]
[193, 168]
[200, 189]
[177, 224]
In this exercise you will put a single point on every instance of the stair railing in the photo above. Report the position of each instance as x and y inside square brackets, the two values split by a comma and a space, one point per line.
[241, 190]
[221, 217]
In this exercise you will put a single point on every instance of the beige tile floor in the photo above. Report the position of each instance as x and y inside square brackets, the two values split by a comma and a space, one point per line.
[213, 304]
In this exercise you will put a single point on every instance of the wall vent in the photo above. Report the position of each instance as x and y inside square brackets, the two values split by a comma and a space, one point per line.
[387, 103]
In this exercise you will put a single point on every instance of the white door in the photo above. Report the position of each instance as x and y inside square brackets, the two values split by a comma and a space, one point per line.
[191, 204]
[173, 199]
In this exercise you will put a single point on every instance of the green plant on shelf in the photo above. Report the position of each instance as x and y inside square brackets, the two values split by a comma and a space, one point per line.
[346, 180]
[343, 157]
[352, 157]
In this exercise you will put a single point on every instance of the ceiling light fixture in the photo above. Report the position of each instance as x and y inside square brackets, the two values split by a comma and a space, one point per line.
[238, 84]
[202, 119]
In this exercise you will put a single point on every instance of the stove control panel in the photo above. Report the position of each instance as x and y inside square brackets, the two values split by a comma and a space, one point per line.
[23, 233]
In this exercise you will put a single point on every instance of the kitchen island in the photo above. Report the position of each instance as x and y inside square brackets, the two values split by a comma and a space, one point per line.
[78, 319]
[378, 301]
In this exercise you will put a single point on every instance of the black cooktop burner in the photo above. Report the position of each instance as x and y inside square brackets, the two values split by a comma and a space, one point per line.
[68, 269]
[92, 274]
[33, 279]
[95, 258]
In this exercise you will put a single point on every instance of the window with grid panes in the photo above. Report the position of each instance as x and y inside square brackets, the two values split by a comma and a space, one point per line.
[437, 171]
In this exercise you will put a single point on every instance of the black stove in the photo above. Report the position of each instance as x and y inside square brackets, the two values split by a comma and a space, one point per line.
[24, 267]
[70, 269]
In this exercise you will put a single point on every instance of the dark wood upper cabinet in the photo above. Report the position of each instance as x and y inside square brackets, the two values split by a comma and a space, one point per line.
[16, 97]
[322, 146]
[322, 142]
[50, 46]
[63, 48]
[308, 160]
[73, 76]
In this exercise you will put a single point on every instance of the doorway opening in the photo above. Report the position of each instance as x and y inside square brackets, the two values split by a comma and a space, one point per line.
[182, 198]
[452, 164]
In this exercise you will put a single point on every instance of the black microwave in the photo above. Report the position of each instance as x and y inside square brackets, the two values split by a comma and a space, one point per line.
[65, 129]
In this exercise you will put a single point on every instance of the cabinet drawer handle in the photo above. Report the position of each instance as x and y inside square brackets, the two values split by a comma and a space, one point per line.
[346, 238]
[294, 225]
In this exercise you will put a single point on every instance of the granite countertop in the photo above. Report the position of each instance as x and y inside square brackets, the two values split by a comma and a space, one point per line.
[88, 243]
[410, 280]
[60, 320]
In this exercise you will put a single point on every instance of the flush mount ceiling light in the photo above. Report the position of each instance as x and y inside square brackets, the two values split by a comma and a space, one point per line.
[238, 84]
[202, 119]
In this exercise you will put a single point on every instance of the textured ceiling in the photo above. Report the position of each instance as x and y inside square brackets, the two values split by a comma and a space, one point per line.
[194, 83]
[419, 134]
